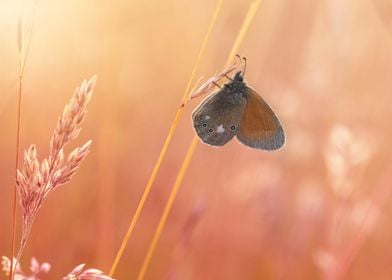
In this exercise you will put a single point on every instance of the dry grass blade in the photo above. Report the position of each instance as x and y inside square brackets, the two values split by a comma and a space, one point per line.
[211, 82]
[166, 211]
[165, 147]
[37, 179]
[19, 121]
[245, 25]
[20, 36]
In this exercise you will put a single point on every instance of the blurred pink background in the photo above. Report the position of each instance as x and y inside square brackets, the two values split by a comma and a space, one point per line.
[320, 204]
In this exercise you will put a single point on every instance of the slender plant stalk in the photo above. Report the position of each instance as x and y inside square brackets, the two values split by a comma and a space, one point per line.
[19, 121]
[244, 28]
[169, 203]
[23, 53]
[167, 142]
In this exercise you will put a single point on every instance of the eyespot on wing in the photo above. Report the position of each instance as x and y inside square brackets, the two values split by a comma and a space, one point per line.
[214, 117]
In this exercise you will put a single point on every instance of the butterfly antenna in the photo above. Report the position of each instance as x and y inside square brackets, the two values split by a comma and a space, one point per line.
[244, 65]
[240, 59]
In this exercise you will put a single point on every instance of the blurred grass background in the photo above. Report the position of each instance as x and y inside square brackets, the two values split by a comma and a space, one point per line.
[324, 66]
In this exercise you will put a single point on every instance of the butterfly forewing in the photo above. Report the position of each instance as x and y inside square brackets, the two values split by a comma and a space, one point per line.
[218, 118]
[260, 127]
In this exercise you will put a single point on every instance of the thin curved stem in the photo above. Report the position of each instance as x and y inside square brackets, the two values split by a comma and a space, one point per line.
[23, 50]
[189, 155]
[166, 144]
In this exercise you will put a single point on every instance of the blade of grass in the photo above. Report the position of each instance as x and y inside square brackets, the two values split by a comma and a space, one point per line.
[170, 202]
[28, 39]
[166, 144]
[23, 53]
[244, 28]
[19, 121]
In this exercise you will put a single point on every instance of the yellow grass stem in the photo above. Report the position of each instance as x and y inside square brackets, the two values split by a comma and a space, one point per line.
[167, 142]
[168, 207]
[23, 51]
[20, 35]
[19, 120]
[244, 28]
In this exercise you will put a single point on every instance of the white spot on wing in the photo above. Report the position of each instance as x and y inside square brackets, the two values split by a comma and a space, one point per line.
[220, 129]
[207, 117]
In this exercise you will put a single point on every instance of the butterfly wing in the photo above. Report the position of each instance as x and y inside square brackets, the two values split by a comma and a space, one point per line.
[260, 128]
[218, 117]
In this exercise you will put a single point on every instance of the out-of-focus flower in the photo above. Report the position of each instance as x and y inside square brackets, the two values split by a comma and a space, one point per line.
[35, 269]
[89, 274]
[345, 151]
[325, 261]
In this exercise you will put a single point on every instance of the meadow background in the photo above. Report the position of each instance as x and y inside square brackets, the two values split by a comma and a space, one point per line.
[320, 204]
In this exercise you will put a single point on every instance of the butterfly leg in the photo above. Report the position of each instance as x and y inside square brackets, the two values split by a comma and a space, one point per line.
[217, 85]
[228, 78]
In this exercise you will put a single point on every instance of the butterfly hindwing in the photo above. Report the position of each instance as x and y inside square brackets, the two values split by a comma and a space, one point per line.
[260, 127]
[217, 119]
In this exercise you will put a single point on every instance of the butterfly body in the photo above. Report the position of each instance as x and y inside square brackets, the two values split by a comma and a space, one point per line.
[237, 110]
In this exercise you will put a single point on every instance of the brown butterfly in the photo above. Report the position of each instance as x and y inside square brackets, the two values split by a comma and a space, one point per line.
[237, 110]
